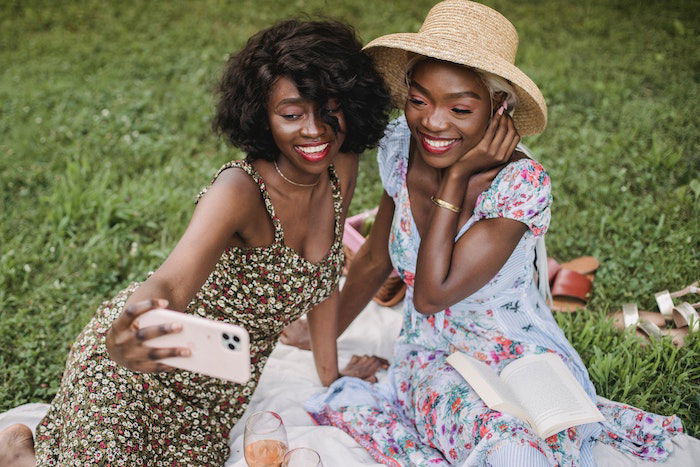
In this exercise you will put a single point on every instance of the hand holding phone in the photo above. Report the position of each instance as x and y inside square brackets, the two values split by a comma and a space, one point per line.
[126, 342]
[217, 349]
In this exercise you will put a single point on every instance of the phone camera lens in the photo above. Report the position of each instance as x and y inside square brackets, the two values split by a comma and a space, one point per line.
[225, 336]
[236, 339]
[232, 346]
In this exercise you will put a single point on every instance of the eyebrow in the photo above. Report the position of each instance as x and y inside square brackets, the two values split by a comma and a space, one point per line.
[451, 95]
[291, 100]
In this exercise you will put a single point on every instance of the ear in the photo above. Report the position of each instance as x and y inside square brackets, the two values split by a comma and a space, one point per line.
[497, 100]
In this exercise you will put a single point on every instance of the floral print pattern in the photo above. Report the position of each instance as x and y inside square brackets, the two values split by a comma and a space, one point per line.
[106, 414]
[424, 413]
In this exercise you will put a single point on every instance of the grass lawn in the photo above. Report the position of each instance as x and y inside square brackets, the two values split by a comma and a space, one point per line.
[105, 139]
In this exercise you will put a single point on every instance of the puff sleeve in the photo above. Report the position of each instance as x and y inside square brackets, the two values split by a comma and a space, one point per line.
[392, 156]
[522, 191]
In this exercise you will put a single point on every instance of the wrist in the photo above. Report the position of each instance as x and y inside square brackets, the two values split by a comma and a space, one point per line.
[330, 379]
[459, 172]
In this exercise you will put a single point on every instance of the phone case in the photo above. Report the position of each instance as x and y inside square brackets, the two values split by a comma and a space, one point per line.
[218, 349]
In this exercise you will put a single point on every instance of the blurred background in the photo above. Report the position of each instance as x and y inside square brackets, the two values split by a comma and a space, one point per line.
[105, 139]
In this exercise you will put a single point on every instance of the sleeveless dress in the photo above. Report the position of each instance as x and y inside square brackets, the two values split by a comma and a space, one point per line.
[106, 414]
[424, 412]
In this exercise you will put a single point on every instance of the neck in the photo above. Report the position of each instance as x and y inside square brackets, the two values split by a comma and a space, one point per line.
[428, 172]
[295, 177]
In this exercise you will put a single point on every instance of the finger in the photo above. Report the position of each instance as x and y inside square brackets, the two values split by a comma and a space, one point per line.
[153, 367]
[168, 352]
[490, 130]
[133, 311]
[513, 144]
[382, 361]
[510, 141]
[163, 368]
[151, 332]
[505, 150]
[498, 138]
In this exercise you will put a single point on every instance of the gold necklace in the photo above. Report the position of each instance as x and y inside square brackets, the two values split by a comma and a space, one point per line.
[303, 185]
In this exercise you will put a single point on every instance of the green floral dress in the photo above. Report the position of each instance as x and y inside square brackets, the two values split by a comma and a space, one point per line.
[106, 414]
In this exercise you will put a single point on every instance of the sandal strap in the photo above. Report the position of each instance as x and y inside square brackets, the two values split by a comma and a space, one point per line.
[685, 315]
[630, 314]
[665, 303]
[569, 283]
[692, 288]
[649, 328]
[553, 268]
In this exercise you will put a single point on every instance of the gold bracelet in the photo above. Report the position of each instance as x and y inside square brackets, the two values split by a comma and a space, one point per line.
[444, 204]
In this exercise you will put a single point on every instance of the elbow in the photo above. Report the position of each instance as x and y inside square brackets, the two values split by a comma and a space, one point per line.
[424, 305]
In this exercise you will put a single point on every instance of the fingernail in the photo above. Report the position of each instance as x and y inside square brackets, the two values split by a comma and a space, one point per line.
[185, 352]
[162, 302]
[176, 327]
[500, 110]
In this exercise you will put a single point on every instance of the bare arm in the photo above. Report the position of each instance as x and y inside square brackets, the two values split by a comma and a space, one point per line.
[322, 329]
[177, 280]
[323, 319]
[213, 223]
[369, 269]
[447, 272]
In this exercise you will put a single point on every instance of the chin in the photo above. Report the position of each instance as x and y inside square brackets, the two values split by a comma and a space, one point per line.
[442, 161]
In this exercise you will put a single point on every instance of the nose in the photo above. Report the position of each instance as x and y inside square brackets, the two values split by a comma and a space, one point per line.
[434, 120]
[313, 126]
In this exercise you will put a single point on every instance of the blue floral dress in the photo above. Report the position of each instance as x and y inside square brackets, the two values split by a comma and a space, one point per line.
[424, 412]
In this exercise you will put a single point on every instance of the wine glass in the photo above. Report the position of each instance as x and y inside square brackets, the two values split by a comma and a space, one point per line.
[264, 440]
[302, 457]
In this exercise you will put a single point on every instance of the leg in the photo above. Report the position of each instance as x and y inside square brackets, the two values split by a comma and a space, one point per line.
[17, 447]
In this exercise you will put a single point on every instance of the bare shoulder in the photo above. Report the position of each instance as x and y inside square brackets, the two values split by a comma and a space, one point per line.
[232, 186]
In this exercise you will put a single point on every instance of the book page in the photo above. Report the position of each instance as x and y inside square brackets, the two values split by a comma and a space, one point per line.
[549, 393]
[485, 381]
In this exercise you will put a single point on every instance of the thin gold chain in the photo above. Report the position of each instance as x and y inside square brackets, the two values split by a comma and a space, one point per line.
[304, 185]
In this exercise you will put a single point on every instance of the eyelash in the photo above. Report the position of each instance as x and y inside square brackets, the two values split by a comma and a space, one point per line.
[419, 102]
[297, 116]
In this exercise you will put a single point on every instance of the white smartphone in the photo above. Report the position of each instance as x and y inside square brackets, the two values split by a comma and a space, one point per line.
[218, 349]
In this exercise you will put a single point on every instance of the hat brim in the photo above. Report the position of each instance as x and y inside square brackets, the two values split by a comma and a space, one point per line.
[391, 53]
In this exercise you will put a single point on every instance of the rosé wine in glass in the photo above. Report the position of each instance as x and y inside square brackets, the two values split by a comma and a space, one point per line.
[264, 440]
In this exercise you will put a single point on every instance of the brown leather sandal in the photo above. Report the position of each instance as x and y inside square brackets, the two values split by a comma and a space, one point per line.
[571, 282]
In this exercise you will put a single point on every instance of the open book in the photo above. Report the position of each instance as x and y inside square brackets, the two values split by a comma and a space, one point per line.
[538, 389]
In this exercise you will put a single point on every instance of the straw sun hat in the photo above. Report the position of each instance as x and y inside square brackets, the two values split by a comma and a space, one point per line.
[470, 34]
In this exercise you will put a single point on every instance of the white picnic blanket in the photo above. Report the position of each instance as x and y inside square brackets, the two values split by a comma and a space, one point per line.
[290, 378]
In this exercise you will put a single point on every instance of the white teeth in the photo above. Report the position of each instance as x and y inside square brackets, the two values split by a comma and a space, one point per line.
[439, 143]
[313, 149]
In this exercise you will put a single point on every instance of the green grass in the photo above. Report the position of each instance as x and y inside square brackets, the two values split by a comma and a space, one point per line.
[105, 139]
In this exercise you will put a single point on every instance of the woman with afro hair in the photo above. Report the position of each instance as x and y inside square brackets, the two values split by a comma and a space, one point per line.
[263, 247]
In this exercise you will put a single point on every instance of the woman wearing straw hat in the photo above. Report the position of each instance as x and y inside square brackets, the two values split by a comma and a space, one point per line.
[461, 219]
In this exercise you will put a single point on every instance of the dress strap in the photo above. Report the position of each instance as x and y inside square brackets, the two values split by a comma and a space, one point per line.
[248, 168]
[337, 203]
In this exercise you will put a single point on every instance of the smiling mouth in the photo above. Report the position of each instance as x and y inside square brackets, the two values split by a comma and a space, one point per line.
[437, 145]
[313, 153]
